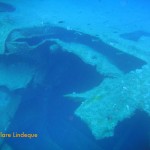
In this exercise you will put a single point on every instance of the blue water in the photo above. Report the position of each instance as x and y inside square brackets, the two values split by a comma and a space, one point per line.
[44, 109]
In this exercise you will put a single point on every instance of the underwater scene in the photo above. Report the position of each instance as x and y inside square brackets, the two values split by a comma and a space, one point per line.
[74, 75]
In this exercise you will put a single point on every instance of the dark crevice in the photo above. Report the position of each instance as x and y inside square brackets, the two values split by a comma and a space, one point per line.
[67, 73]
